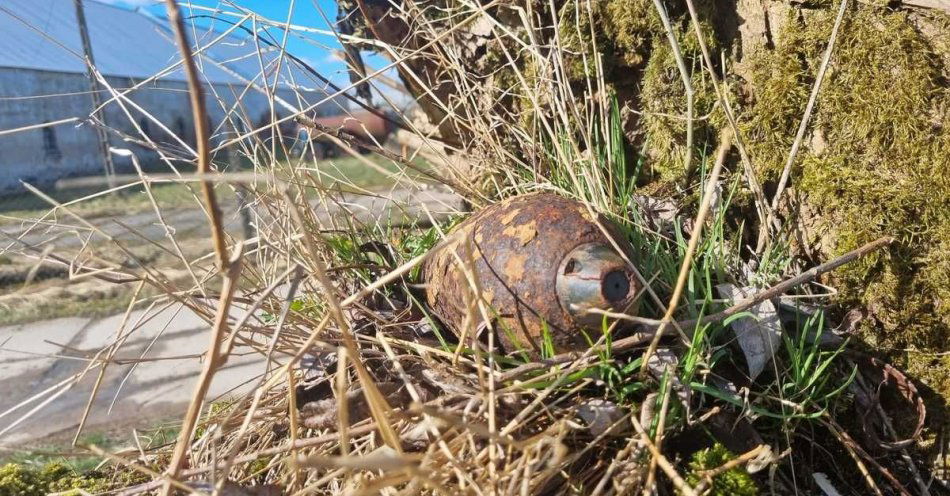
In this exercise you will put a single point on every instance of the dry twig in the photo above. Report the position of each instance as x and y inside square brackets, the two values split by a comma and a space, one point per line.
[725, 143]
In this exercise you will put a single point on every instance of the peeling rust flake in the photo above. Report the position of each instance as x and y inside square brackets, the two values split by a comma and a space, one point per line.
[514, 267]
[524, 233]
[510, 216]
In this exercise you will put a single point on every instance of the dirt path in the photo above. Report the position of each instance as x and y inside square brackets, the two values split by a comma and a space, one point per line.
[37, 356]
[386, 207]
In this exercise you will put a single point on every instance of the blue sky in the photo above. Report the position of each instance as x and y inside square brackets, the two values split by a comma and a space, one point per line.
[317, 50]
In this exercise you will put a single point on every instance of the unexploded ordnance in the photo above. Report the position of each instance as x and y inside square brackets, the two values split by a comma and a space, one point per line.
[540, 260]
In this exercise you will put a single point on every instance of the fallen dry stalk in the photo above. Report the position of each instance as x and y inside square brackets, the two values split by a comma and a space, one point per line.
[278, 450]
[212, 361]
[645, 336]
[161, 478]
[709, 475]
[377, 402]
[725, 143]
[782, 287]
[662, 461]
[202, 134]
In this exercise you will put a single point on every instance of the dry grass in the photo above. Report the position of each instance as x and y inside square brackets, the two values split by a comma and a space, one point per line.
[363, 393]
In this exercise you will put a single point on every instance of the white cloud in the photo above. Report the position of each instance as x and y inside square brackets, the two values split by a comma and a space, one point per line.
[331, 57]
[334, 57]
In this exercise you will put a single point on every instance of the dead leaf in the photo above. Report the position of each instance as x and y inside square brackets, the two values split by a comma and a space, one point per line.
[660, 213]
[823, 483]
[663, 361]
[600, 415]
[759, 336]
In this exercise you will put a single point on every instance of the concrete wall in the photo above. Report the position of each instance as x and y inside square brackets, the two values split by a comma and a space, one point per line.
[43, 156]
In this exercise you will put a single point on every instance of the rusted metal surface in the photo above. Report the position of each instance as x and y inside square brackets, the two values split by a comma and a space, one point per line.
[539, 260]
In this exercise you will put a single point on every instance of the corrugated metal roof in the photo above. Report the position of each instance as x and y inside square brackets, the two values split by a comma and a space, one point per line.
[43, 35]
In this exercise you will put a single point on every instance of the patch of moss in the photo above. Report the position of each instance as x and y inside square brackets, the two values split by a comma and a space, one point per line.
[663, 100]
[619, 30]
[877, 163]
[733, 482]
[96, 304]
[259, 465]
[628, 28]
[20, 480]
[663, 95]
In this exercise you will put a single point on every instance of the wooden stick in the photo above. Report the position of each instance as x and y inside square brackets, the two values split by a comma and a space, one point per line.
[849, 446]
[202, 133]
[782, 287]
[647, 324]
[725, 143]
[214, 358]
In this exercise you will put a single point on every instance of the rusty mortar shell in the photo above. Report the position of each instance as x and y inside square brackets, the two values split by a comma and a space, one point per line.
[539, 260]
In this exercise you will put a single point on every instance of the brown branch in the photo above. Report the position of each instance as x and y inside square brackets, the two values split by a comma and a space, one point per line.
[725, 144]
[202, 133]
[648, 325]
[858, 453]
[780, 288]
[214, 359]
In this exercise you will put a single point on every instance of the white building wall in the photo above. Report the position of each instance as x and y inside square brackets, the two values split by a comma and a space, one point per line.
[23, 156]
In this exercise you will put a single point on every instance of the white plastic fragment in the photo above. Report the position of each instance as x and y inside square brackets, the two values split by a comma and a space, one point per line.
[823, 483]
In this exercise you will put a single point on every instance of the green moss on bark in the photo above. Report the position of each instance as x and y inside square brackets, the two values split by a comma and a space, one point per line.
[876, 163]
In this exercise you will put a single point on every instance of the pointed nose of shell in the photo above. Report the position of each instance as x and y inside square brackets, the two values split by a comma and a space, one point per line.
[594, 277]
